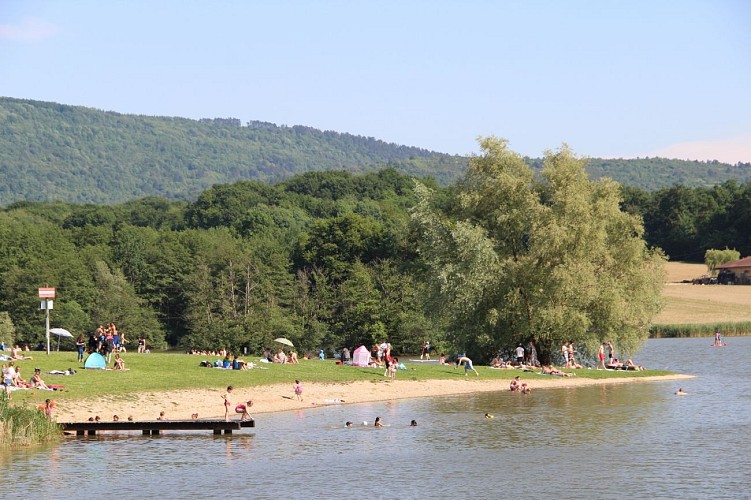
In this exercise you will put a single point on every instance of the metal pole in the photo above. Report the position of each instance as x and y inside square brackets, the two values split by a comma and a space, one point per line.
[47, 323]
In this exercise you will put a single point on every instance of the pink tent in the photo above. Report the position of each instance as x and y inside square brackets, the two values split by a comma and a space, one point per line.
[361, 356]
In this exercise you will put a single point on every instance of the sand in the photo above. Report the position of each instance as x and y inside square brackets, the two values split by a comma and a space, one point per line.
[208, 403]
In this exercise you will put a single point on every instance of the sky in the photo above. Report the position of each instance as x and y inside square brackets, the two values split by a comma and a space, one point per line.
[612, 79]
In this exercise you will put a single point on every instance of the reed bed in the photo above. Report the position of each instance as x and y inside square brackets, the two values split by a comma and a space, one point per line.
[24, 425]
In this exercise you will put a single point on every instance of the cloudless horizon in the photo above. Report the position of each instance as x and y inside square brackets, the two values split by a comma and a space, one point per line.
[610, 79]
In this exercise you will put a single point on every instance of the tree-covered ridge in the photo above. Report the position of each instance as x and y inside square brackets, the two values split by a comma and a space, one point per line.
[54, 152]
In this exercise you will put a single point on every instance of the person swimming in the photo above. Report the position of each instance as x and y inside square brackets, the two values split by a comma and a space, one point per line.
[680, 392]
[348, 424]
[378, 422]
[488, 415]
[413, 423]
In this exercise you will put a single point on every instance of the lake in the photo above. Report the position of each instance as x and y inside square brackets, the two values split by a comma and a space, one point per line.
[638, 440]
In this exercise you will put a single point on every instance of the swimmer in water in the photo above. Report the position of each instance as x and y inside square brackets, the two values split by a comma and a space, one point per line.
[488, 415]
[378, 422]
[348, 424]
[413, 423]
[680, 392]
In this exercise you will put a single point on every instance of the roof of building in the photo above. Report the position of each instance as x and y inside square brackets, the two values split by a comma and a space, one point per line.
[744, 262]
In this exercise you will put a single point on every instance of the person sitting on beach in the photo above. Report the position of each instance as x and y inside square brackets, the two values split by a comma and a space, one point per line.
[36, 381]
[549, 370]
[119, 363]
[495, 362]
[19, 381]
[293, 359]
[9, 375]
[244, 411]
[630, 365]
[279, 357]
[15, 353]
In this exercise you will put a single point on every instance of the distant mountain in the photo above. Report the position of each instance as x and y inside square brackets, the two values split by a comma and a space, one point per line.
[56, 152]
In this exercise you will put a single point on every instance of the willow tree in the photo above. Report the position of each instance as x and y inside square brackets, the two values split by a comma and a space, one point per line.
[548, 258]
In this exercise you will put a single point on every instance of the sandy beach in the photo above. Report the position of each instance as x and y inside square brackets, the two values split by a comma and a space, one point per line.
[208, 403]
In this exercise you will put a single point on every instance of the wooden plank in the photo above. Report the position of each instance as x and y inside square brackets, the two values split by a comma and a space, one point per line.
[155, 426]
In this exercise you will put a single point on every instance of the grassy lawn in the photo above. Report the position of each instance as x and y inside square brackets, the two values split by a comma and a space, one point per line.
[170, 371]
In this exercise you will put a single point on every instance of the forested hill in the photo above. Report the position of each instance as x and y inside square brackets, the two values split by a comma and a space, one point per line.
[56, 152]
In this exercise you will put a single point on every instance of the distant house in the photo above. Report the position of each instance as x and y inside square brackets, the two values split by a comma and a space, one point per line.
[737, 271]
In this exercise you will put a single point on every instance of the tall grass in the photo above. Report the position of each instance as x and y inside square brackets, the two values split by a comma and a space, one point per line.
[696, 330]
[24, 426]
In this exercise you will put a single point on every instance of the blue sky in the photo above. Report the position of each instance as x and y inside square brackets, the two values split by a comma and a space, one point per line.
[611, 79]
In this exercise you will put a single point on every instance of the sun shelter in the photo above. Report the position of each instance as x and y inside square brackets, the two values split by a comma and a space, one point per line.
[95, 361]
[361, 356]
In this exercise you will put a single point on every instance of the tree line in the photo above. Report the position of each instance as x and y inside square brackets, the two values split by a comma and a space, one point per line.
[329, 259]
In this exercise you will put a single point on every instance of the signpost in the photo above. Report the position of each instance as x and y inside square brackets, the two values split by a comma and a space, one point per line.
[46, 295]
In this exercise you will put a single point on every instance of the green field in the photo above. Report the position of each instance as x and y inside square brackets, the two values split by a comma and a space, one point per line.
[170, 371]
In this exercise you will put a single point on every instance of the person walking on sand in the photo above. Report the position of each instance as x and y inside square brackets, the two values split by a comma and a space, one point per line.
[298, 390]
[467, 365]
[227, 402]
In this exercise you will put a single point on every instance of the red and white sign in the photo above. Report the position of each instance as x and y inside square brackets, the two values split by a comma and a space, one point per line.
[46, 293]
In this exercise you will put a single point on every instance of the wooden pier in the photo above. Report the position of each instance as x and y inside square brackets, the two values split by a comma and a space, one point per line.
[154, 427]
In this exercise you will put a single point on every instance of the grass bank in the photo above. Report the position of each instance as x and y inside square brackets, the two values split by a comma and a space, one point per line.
[158, 372]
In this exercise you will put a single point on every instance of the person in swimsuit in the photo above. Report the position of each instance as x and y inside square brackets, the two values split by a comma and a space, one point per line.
[244, 410]
[298, 390]
[227, 402]
[378, 422]
[601, 356]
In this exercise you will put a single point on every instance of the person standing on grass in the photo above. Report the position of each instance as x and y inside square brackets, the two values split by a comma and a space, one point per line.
[227, 402]
[467, 365]
[601, 356]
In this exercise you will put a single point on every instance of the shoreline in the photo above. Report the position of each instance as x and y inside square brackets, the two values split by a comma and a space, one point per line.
[208, 403]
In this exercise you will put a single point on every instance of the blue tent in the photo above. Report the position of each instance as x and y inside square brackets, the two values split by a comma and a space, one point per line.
[95, 361]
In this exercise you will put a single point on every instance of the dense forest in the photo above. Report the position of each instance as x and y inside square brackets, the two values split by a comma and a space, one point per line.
[59, 153]
[323, 258]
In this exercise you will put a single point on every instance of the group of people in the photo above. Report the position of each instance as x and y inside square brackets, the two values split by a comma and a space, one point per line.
[13, 380]
[242, 409]
[377, 423]
[107, 341]
[517, 385]
[568, 352]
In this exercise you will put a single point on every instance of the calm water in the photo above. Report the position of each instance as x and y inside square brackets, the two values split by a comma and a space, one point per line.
[595, 442]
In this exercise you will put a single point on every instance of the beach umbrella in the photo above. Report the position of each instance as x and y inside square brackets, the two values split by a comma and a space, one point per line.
[60, 332]
[284, 341]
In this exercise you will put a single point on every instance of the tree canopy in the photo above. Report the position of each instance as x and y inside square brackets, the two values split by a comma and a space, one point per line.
[547, 258]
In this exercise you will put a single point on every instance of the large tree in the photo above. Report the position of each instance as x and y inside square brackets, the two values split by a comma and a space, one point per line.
[547, 259]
